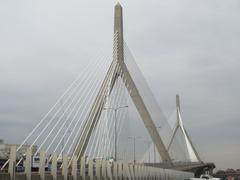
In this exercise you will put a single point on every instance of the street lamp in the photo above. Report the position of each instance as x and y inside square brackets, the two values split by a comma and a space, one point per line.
[115, 126]
[134, 147]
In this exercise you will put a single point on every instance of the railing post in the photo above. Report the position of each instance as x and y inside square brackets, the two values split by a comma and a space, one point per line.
[120, 171]
[90, 169]
[137, 172]
[65, 167]
[165, 174]
[83, 168]
[109, 170]
[141, 169]
[28, 163]
[74, 167]
[154, 174]
[158, 173]
[140, 172]
[115, 171]
[12, 162]
[126, 172]
[54, 166]
[41, 169]
[149, 173]
[104, 169]
[145, 173]
[98, 170]
[131, 171]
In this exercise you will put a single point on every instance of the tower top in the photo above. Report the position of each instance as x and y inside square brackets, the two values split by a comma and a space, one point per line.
[118, 4]
[118, 31]
[178, 101]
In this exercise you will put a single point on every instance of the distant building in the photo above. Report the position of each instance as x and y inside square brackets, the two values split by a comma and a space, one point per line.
[5, 150]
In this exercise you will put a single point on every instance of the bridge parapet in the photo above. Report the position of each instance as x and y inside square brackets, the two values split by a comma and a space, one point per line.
[69, 168]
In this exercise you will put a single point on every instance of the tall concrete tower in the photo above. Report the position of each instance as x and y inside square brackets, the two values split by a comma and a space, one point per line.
[118, 31]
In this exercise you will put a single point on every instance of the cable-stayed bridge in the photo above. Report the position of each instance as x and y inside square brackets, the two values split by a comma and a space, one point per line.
[83, 134]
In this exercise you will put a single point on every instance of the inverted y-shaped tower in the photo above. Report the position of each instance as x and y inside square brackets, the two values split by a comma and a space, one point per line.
[192, 153]
[113, 73]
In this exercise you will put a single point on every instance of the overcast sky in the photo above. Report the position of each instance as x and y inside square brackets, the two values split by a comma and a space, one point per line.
[186, 47]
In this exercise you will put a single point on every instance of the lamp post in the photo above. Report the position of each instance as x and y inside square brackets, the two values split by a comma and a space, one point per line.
[134, 147]
[115, 126]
